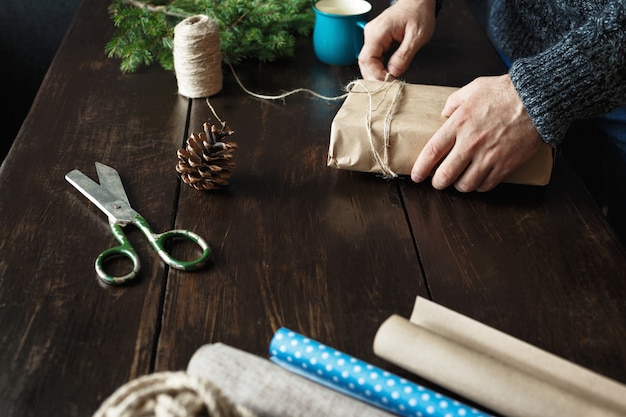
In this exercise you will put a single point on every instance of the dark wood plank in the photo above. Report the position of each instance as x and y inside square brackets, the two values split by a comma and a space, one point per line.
[458, 53]
[538, 263]
[67, 342]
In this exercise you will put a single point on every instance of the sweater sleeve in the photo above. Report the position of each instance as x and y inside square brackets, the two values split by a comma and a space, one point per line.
[581, 76]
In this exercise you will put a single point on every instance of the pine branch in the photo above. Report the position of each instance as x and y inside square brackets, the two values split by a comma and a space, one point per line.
[249, 29]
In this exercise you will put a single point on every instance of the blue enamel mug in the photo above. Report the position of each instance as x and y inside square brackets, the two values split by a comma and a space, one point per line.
[338, 30]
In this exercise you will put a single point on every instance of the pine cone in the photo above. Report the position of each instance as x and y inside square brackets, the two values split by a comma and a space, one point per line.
[207, 161]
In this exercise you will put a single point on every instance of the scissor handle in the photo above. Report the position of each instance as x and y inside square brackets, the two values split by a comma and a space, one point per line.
[124, 250]
[157, 241]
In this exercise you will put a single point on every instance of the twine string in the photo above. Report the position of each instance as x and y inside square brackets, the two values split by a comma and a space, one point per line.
[385, 87]
[387, 130]
[283, 95]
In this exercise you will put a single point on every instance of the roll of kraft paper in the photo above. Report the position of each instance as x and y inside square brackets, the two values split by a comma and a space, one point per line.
[268, 390]
[361, 380]
[494, 369]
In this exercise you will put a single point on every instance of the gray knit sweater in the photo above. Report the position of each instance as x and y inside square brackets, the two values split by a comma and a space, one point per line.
[569, 58]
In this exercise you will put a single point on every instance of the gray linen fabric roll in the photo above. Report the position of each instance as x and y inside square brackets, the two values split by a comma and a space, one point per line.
[269, 390]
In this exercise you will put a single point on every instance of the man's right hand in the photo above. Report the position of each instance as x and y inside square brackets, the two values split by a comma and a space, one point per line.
[409, 22]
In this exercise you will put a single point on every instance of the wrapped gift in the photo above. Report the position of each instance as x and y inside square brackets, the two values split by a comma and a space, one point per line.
[383, 125]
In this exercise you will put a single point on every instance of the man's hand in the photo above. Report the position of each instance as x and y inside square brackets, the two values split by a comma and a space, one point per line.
[409, 22]
[487, 136]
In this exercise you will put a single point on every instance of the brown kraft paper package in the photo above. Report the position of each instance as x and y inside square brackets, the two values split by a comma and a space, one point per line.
[405, 116]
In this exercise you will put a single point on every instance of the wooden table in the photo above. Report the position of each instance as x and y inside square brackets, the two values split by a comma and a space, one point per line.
[327, 253]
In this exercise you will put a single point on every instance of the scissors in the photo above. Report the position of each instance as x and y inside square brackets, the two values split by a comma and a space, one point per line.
[111, 198]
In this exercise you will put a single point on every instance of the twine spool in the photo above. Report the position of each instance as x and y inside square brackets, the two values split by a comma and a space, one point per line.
[198, 57]
[170, 394]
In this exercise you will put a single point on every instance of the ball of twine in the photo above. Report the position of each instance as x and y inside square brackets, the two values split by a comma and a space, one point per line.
[170, 394]
[197, 57]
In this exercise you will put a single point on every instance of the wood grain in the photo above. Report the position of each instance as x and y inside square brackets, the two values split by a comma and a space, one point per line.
[328, 253]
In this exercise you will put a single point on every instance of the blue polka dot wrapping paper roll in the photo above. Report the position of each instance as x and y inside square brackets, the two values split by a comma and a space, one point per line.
[359, 379]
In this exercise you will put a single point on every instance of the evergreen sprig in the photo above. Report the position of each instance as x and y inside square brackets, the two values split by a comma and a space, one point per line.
[249, 29]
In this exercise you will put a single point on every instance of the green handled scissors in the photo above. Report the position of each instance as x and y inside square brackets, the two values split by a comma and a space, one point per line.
[111, 198]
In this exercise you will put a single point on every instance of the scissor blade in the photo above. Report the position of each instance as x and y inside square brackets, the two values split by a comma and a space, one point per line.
[110, 180]
[116, 209]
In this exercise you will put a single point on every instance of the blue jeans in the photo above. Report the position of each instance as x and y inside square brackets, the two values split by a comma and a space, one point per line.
[613, 125]
[613, 185]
